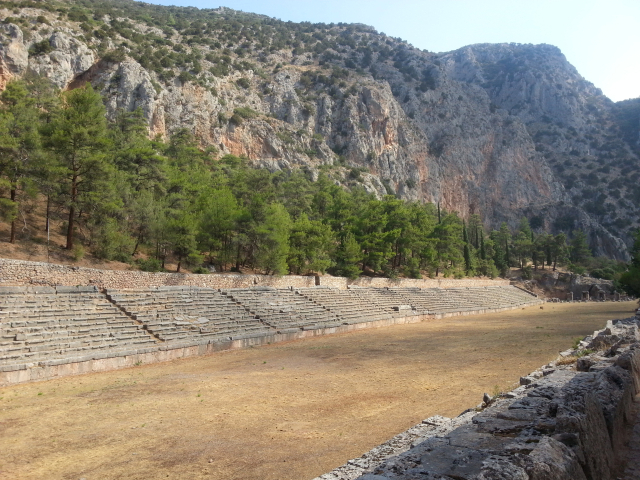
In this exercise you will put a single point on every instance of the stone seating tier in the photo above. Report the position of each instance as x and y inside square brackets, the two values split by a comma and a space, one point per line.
[179, 313]
[283, 309]
[38, 324]
[44, 324]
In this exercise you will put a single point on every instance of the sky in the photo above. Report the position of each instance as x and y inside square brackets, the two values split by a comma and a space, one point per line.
[601, 38]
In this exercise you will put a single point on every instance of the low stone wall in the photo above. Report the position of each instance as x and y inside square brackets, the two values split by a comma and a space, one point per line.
[376, 282]
[18, 272]
[569, 420]
[333, 282]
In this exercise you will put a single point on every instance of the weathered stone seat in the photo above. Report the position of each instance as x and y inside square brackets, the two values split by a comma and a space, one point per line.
[282, 309]
[174, 313]
[37, 324]
[44, 324]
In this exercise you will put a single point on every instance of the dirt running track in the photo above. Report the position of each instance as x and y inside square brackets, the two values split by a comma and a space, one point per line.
[284, 411]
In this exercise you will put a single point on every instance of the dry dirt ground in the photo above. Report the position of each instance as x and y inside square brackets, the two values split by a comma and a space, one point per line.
[285, 411]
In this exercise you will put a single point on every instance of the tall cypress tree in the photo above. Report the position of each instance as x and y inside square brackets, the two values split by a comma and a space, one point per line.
[467, 259]
[506, 254]
[466, 252]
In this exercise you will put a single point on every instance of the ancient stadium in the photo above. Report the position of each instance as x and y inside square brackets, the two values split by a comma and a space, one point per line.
[285, 377]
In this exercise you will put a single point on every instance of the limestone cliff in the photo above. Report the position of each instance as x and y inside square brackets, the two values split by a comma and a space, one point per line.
[501, 130]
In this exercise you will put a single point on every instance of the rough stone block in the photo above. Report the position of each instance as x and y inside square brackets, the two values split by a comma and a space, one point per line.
[76, 289]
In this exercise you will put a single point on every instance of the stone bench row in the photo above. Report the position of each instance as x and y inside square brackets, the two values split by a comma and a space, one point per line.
[61, 348]
[39, 322]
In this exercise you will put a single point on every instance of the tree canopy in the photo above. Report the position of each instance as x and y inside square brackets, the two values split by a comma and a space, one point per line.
[126, 197]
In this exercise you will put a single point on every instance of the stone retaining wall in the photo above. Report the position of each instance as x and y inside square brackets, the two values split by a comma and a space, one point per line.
[18, 272]
[376, 282]
[569, 420]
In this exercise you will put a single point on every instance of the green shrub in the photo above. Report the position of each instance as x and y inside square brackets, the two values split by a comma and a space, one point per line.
[111, 242]
[40, 48]
[285, 137]
[583, 353]
[604, 273]
[77, 252]
[354, 174]
[245, 112]
[243, 82]
[185, 77]
[114, 56]
[236, 119]
[156, 86]
[308, 109]
[149, 264]
[577, 269]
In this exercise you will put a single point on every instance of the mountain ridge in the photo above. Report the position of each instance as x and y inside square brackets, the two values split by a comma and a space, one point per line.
[503, 130]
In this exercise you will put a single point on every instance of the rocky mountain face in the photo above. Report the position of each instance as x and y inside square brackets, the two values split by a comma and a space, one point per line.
[503, 130]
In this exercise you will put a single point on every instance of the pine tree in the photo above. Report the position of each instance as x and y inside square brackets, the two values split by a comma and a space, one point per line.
[502, 255]
[349, 254]
[579, 250]
[523, 244]
[77, 135]
[466, 250]
[559, 249]
[448, 243]
[272, 237]
[182, 234]
[310, 246]
[19, 148]
[467, 259]
[218, 220]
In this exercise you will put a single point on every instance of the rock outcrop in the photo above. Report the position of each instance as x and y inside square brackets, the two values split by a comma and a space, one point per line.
[69, 58]
[14, 57]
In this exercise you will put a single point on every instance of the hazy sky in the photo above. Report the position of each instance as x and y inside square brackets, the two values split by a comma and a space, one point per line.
[601, 38]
